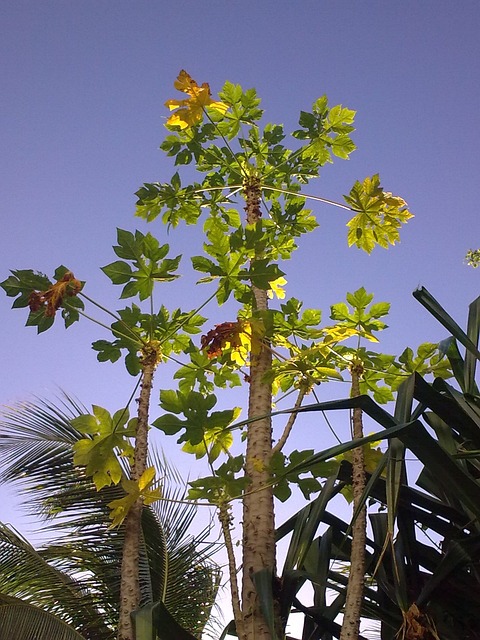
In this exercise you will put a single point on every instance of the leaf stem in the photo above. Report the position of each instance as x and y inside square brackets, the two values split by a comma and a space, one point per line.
[234, 157]
[291, 420]
[309, 197]
[110, 313]
[97, 304]
[137, 340]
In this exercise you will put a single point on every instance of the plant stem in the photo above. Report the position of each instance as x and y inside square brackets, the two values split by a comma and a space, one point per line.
[308, 197]
[291, 420]
[353, 603]
[225, 521]
[129, 575]
[258, 508]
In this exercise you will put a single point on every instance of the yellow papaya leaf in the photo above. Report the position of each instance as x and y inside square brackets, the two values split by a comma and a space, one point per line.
[190, 111]
[110, 437]
[338, 333]
[146, 478]
[142, 488]
[276, 288]
[379, 218]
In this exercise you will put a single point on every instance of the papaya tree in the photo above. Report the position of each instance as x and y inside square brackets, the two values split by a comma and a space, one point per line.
[250, 201]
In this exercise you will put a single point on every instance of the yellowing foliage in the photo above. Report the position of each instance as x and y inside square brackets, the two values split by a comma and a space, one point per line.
[190, 110]
[276, 287]
[234, 336]
[143, 488]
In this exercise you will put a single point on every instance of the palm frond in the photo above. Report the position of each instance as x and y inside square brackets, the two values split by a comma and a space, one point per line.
[36, 440]
[26, 574]
[23, 621]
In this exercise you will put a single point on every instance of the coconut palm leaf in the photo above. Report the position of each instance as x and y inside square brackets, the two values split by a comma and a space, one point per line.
[28, 576]
[20, 620]
[36, 443]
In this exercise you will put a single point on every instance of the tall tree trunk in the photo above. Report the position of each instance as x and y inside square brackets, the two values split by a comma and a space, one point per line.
[258, 510]
[353, 603]
[129, 576]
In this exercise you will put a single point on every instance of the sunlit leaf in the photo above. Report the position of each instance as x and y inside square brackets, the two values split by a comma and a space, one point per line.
[190, 111]
[276, 288]
[380, 215]
[142, 488]
[109, 437]
[217, 438]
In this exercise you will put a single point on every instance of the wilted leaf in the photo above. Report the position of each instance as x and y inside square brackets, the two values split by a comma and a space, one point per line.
[50, 300]
[236, 336]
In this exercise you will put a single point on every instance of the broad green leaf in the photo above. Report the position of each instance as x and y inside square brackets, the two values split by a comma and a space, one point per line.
[119, 272]
[217, 437]
[109, 437]
[172, 401]
[169, 424]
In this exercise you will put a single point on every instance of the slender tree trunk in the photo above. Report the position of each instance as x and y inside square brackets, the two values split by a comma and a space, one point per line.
[258, 510]
[224, 515]
[129, 577]
[353, 604]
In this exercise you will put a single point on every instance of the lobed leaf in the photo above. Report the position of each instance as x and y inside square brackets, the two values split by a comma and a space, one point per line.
[379, 218]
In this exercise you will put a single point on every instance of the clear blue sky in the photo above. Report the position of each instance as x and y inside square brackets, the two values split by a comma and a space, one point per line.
[83, 87]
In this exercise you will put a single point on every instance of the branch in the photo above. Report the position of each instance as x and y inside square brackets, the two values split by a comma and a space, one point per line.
[356, 579]
[291, 420]
[308, 197]
[225, 521]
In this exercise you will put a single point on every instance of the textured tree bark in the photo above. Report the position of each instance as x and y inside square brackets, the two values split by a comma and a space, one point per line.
[224, 515]
[258, 509]
[129, 577]
[353, 603]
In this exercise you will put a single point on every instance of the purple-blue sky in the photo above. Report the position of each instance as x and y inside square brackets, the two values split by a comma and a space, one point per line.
[83, 87]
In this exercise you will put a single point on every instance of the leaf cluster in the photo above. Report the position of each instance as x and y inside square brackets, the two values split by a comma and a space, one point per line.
[169, 332]
[360, 319]
[134, 489]
[225, 484]
[204, 432]
[327, 130]
[148, 264]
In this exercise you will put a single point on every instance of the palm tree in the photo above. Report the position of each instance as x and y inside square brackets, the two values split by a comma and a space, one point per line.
[73, 583]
